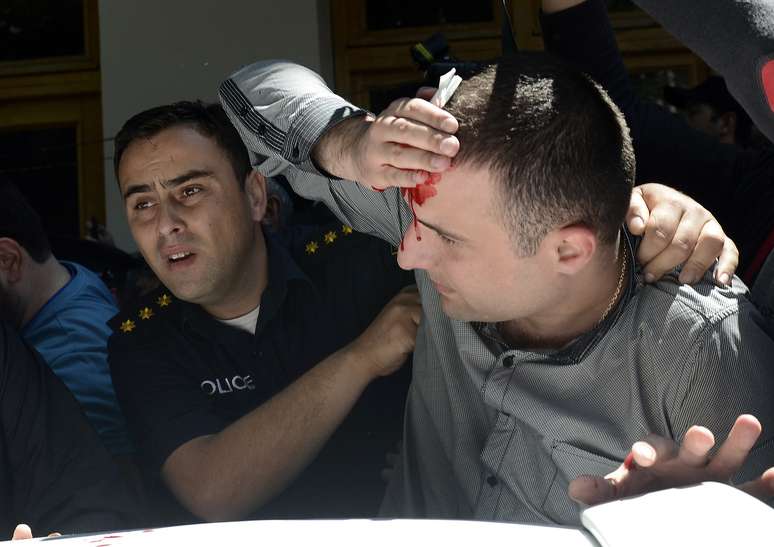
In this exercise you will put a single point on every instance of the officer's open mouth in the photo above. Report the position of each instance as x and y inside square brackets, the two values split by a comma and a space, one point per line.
[179, 257]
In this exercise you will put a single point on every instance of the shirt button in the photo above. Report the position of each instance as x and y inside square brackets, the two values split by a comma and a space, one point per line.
[508, 361]
[261, 130]
[243, 111]
[491, 480]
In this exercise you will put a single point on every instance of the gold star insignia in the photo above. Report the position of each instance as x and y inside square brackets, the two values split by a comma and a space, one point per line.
[346, 230]
[330, 237]
[311, 247]
[164, 300]
[127, 326]
[146, 313]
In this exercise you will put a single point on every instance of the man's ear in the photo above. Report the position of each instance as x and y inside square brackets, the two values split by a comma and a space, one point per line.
[572, 248]
[11, 260]
[255, 188]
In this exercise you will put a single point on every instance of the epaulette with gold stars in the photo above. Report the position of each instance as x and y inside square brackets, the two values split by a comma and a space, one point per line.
[328, 239]
[145, 311]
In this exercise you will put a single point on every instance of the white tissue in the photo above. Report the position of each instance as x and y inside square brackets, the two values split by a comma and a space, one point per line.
[446, 88]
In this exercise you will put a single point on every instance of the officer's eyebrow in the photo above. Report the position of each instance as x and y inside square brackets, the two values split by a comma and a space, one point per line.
[169, 184]
[441, 231]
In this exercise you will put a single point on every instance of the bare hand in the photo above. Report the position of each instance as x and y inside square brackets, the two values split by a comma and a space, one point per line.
[658, 463]
[677, 230]
[391, 337]
[410, 139]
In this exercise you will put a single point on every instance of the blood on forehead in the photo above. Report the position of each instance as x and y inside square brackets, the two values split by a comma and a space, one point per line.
[418, 195]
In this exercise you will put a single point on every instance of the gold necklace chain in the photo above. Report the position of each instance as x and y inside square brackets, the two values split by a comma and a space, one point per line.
[620, 284]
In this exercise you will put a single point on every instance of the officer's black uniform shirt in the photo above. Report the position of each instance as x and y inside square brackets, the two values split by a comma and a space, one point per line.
[56, 476]
[180, 374]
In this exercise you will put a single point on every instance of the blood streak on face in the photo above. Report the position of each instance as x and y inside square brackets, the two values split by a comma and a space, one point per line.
[419, 194]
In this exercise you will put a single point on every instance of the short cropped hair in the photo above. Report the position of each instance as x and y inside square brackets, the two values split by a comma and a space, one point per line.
[20, 222]
[553, 140]
[210, 120]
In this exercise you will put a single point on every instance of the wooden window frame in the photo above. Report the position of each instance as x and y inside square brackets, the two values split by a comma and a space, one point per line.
[88, 61]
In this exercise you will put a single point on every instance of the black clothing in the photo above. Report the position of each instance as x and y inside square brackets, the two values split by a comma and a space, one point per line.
[737, 186]
[734, 37]
[181, 374]
[56, 476]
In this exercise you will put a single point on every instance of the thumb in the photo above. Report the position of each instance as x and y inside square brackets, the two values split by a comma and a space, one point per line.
[638, 213]
[591, 490]
[22, 531]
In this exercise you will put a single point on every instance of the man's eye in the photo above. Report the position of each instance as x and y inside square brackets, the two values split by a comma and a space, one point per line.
[140, 205]
[447, 240]
[190, 191]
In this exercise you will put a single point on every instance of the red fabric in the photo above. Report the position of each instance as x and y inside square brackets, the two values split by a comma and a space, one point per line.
[767, 76]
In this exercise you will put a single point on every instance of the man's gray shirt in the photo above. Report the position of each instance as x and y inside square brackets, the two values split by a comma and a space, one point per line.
[496, 433]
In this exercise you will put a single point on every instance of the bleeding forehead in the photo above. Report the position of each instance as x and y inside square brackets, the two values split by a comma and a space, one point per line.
[459, 190]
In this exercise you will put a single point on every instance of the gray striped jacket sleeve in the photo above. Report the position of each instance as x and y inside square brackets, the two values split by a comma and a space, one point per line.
[281, 110]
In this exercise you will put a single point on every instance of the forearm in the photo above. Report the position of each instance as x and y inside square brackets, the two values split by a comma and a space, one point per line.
[281, 110]
[281, 125]
[233, 473]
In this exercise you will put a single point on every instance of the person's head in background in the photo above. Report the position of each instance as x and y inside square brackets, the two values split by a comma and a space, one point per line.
[195, 205]
[530, 215]
[29, 272]
[711, 109]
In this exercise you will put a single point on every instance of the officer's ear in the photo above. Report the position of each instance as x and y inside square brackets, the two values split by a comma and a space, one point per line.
[11, 260]
[255, 190]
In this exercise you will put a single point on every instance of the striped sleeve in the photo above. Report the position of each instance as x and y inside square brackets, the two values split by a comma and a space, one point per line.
[281, 110]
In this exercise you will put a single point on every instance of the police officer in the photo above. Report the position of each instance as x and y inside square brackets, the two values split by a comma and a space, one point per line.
[236, 372]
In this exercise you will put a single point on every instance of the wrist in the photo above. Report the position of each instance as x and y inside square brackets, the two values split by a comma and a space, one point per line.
[360, 364]
[337, 151]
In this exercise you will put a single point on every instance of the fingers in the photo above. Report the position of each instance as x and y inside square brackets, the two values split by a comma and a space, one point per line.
[736, 447]
[22, 531]
[653, 449]
[680, 231]
[592, 490]
[727, 263]
[638, 213]
[401, 147]
[708, 238]
[697, 443]
[762, 487]
[422, 114]
[656, 251]
[415, 156]
[386, 176]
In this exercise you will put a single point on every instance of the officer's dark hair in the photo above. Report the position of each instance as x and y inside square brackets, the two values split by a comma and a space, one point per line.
[209, 120]
[20, 222]
[555, 142]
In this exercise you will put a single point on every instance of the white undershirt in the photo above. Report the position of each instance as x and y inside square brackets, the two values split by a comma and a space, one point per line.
[246, 322]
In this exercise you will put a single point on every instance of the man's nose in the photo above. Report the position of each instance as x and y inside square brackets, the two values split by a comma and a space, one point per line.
[414, 254]
[169, 219]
